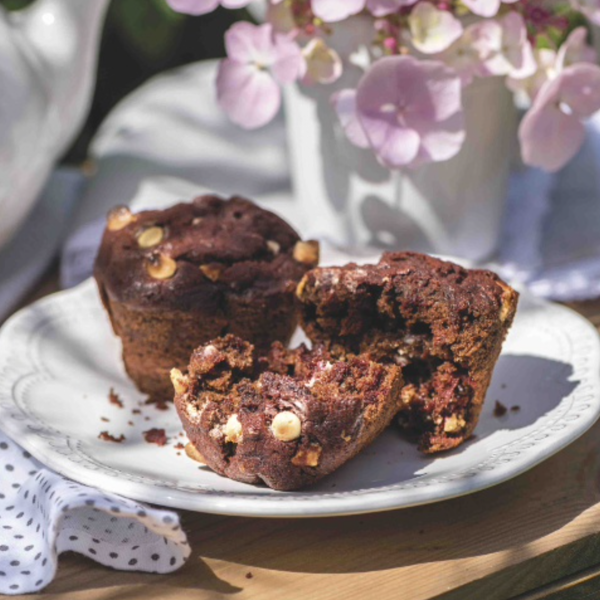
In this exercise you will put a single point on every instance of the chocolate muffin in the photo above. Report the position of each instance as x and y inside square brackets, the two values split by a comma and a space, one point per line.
[443, 324]
[286, 419]
[173, 279]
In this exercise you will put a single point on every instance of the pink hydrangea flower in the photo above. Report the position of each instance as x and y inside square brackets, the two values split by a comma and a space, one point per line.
[433, 30]
[248, 81]
[334, 10]
[201, 7]
[331, 11]
[409, 112]
[552, 132]
[504, 47]
[486, 8]
[381, 8]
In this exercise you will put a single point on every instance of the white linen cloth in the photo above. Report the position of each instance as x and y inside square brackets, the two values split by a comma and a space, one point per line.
[169, 141]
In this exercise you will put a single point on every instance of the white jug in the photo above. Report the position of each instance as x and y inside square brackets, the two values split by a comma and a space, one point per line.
[48, 55]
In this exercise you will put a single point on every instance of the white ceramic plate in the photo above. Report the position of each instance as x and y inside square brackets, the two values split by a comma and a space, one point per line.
[59, 359]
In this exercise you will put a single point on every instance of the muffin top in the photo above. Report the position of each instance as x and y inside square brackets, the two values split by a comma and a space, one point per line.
[193, 253]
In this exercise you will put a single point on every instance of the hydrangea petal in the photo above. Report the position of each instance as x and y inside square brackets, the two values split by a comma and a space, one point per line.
[549, 138]
[344, 103]
[433, 30]
[331, 11]
[249, 96]
[193, 7]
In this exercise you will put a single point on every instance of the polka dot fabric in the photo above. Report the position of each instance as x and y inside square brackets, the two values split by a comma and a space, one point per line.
[43, 514]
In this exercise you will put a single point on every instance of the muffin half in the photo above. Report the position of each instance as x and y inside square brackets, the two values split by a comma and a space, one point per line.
[443, 324]
[286, 419]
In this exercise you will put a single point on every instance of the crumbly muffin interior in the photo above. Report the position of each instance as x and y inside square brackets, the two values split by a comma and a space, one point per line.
[285, 419]
[442, 324]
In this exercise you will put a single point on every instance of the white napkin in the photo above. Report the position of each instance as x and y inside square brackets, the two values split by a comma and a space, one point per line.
[43, 514]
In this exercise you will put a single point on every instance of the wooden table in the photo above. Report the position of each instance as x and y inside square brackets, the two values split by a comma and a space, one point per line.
[537, 536]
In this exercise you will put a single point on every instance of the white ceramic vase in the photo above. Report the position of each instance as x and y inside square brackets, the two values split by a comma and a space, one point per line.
[454, 207]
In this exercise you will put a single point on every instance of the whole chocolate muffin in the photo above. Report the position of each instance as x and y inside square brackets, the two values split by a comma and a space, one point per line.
[173, 279]
[286, 419]
[443, 324]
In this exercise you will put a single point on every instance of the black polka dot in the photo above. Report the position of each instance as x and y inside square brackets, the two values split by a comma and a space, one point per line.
[3, 445]
[14, 563]
[26, 495]
[90, 502]
[9, 468]
[18, 537]
[115, 509]
[91, 551]
[26, 454]
[95, 541]
[37, 556]
[3, 548]
[16, 486]
[20, 515]
[25, 572]
[141, 513]
[39, 582]
[6, 527]
[2, 574]
[28, 548]
[73, 538]
[172, 561]
[155, 556]
[135, 547]
[133, 562]
[14, 586]
[114, 555]
[167, 520]
[44, 562]
[29, 522]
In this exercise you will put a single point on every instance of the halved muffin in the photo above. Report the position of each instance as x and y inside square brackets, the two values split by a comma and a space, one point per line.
[443, 324]
[286, 419]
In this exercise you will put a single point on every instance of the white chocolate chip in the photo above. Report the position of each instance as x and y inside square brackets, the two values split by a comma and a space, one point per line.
[180, 381]
[286, 426]
[273, 246]
[193, 453]
[161, 267]
[307, 253]
[118, 218]
[212, 272]
[151, 237]
[453, 424]
[308, 457]
[233, 430]
[507, 301]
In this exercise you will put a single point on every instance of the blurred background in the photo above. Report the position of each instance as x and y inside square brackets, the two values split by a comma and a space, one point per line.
[142, 38]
